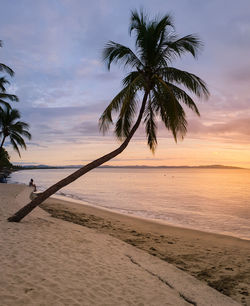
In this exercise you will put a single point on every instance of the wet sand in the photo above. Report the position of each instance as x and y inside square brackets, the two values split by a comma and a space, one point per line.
[222, 262]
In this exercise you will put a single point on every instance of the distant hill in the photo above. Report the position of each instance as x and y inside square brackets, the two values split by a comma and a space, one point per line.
[130, 167]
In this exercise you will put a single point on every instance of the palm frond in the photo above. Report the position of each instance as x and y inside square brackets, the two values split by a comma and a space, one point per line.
[138, 21]
[10, 97]
[106, 118]
[135, 78]
[15, 146]
[26, 134]
[3, 81]
[133, 82]
[143, 32]
[3, 67]
[5, 104]
[18, 139]
[13, 114]
[187, 79]
[126, 116]
[20, 126]
[181, 95]
[7, 69]
[187, 44]
[114, 52]
[150, 127]
[170, 110]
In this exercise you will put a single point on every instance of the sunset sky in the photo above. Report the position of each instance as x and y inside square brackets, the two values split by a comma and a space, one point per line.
[55, 47]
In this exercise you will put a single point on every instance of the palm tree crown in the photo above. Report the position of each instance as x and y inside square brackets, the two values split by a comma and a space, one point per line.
[11, 127]
[156, 46]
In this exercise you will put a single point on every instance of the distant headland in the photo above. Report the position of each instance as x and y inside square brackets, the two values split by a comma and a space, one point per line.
[29, 167]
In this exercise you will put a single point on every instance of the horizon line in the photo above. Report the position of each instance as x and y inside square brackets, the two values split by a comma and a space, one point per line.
[129, 166]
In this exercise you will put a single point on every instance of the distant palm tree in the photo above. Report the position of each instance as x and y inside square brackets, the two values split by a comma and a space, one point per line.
[153, 78]
[3, 81]
[11, 127]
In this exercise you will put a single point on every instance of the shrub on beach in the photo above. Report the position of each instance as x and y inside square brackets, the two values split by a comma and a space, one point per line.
[4, 160]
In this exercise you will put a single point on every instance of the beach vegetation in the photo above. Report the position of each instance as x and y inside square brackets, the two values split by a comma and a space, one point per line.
[153, 91]
[4, 159]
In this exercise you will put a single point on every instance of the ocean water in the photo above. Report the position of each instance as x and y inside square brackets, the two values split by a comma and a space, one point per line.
[212, 200]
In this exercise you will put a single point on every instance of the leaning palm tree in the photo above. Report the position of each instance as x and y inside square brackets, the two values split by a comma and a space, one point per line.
[3, 82]
[154, 79]
[11, 127]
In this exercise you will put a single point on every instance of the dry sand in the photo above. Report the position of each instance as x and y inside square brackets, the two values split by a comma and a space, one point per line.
[47, 261]
[223, 262]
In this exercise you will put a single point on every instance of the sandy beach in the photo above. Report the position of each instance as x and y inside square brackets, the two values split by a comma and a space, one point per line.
[223, 262]
[113, 259]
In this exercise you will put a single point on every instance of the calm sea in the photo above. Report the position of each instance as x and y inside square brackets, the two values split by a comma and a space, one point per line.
[212, 200]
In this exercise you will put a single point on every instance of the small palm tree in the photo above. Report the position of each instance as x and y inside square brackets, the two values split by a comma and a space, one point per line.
[11, 127]
[153, 78]
[3, 82]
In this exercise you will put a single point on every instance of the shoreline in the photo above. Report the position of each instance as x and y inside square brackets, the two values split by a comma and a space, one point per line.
[71, 200]
[221, 261]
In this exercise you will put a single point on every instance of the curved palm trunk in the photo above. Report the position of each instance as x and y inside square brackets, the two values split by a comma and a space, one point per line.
[19, 215]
